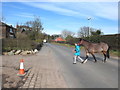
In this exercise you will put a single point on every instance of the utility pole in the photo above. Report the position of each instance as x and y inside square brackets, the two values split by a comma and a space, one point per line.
[89, 18]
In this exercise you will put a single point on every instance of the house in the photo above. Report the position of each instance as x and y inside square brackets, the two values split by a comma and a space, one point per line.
[7, 31]
[59, 39]
[22, 28]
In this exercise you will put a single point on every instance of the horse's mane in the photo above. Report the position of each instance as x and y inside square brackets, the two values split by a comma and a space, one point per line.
[84, 40]
[91, 41]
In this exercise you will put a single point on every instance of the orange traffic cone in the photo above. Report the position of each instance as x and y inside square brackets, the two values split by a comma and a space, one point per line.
[21, 71]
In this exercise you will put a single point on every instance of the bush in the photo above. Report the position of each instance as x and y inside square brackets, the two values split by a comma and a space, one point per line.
[111, 40]
[72, 41]
[36, 36]
[22, 42]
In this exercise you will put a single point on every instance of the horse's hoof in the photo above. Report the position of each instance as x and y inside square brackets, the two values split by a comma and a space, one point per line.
[103, 61]
[84, 61]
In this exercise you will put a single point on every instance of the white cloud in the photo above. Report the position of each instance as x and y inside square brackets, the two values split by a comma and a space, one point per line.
[52, 31]
[54, 8]
[108, 10]
[110, 29]
[95, 10]
[25, 15]
[16, 7]
[13, 6]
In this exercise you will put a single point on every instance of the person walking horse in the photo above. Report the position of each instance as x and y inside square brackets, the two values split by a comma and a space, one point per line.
[77, 53]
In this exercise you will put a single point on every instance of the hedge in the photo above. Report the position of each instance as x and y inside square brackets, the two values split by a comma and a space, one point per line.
[112, 40]
[14, 44]
[22, 42]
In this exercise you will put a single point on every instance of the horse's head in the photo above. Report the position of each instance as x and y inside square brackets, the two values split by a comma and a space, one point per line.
[80, 41]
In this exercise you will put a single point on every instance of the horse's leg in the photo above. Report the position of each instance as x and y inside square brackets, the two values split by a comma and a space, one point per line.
[104, 57]
[94, 57]
[86, 58]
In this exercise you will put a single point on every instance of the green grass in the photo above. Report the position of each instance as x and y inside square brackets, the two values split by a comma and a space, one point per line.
[115, 53]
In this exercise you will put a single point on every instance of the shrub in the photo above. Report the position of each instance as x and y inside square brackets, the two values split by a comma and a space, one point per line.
[71, 41]
[111, 40]
[21, 42]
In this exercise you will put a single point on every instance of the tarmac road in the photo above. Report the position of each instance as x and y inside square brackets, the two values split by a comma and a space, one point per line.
[88, 75]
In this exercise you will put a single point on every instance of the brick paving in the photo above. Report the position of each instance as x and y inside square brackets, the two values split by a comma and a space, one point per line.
[45, 71]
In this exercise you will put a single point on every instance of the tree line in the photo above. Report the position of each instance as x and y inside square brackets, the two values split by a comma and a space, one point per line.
[82, 32]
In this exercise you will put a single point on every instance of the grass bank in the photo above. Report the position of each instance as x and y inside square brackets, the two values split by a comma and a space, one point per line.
[115, 53]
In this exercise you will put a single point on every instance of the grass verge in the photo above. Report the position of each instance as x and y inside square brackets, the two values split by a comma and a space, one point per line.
[115, 53]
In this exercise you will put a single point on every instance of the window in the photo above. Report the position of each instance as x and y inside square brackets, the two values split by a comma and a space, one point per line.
[11, 30]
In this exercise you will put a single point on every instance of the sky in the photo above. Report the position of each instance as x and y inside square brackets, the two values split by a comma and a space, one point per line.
[58, 16]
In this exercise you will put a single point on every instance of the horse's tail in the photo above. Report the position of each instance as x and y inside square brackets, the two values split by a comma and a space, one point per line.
[107, 54]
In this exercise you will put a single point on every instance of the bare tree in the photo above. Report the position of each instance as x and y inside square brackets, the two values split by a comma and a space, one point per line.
[35, 29]
[36, 25]
[83, 32]
[65, 33]
[29, 23]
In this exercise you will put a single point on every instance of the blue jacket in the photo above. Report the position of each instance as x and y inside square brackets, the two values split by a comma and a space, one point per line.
[77, 50]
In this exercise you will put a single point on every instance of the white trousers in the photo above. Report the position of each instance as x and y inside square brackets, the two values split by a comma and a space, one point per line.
[75, 58]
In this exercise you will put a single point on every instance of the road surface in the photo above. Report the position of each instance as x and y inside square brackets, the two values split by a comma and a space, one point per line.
[88, 75]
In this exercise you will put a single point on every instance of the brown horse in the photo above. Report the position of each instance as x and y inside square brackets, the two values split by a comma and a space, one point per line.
[92, 48]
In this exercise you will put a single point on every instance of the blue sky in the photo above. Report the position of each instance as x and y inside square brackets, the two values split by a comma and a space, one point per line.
[57, 16]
